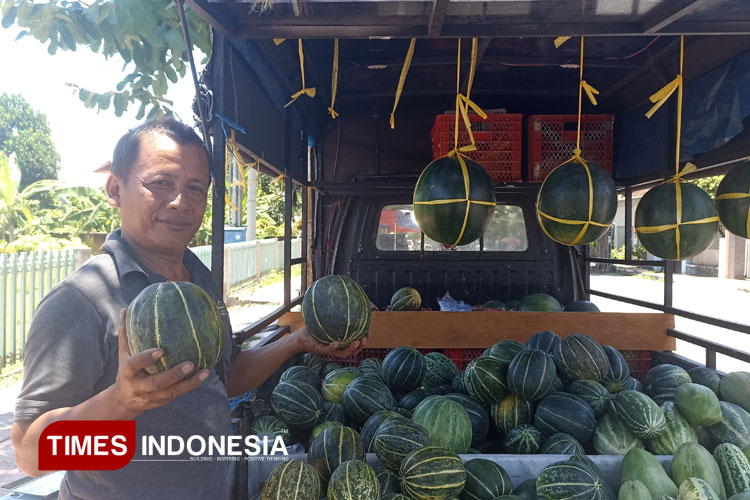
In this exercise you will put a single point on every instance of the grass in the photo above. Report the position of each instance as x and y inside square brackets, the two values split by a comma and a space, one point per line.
[272, 278]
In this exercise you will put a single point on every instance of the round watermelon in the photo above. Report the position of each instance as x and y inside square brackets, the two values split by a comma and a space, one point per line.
[705, 376]
[639, 413]
[458, 383]
[303, 373]
[370, 365]
[363, 397]
[662, 380]
[335, 382]
[531, 374]
[371, 426]
[439, 370]
[353, 480]
[454, 201]
[313, 361]
[504, 351]
[565, 480]
[388, 481]
[447, 423]
[336, 309]
[485, 380]
[396, 438]
[576, 203]
[494, 305]
[613, 437]
[567, 413]
[331, 412]
[545, 340]
[180, 319]
[582, 306]
[269, 424]
[562, 444]
[733, 200]
[511, 412]
[403, 369]
[406, 299]
[579, 357]
[432, 473]
[293, 479]
[297, 403]
[672, 230]
[410, 400]
[523, 440]
[480, 420]
[593, 393]
[334, 446]
[618, 374]
[485, 480]
[539, 302]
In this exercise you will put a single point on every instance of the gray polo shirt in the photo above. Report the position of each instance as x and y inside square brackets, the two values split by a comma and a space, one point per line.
[71, 355]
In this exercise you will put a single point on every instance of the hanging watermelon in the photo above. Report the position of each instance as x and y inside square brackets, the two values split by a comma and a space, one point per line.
[454, 200]
[676, 220]
[733, 200]
[576, 203]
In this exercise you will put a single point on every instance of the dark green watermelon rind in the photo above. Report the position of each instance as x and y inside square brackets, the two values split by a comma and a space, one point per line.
[735, 213]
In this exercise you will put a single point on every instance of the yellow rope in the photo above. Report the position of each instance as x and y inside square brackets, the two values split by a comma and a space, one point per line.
[309, 92]
[334, 78]
[401, 80]
[464, 102]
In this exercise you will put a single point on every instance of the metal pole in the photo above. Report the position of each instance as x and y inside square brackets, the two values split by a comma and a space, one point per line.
[628, 223]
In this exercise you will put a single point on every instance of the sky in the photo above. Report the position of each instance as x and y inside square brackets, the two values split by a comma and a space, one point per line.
[84, 138]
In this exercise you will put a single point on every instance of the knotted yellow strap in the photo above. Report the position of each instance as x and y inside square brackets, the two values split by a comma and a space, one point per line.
[278, 41]
[661, 96]
[561, 40]
[590, 91]
[334, 78]
[464, 102]
[309, 92]
[401, 80]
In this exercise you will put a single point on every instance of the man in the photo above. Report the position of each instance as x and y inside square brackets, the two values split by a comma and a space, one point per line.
[77, 364]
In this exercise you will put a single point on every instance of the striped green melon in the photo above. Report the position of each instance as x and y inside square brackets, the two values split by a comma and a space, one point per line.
[333, 447]
[734, 427]
[511, 412]
[410, 400]
[563, 412]
[705, 376]
[531, 374]
[313, 361]
[303, 373]
[526, 490]
[612, 437]
[363, 397]
[370, 365]
[328, 368]
[560, 443]
[705, 438]
[336, 381]
[406, 299]
[485, 380]
[353, 480]
[318, 429]
[480, 420]
[331, 412]
[586, 460]
[504, 351]
[494, 305]
[732, 203]
[545, 340]
[293, 479]
[633, 490]
[694, 488]
[582, 306]
[439, 370]
[441, 390]
[593, 393]
[735, 388]
[566, 480]
[403, 369]
[693, 460]
[523, 440]
[297, 404]
[388, 481]
[336, 309]
[557, 385]
[403, 412]
[485, 480]
[698, 404]
[642, 466]
[640, 414]
[432, 473]
[458, 383]
[179, 318]
[539, 302]
[662, 380]
[633, 384]
[397, 438]
[446, 421]
[371, 427]
[579, 357]
[735, 468]
[677, 432]
[618, 374]
[269, 424]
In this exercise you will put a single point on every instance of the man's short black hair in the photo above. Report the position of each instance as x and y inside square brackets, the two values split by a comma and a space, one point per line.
[128, 147]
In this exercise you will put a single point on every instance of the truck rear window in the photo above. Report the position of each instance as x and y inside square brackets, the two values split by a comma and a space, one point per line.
[398, 231]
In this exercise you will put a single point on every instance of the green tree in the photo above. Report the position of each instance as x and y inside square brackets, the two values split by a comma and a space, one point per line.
[709, 184]
[25, 133]
[14, 206]
[145, 34]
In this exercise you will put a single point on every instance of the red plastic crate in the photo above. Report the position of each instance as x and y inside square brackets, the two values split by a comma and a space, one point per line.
[462, 357]
[552, 140]
[498, 142]
[639, 363]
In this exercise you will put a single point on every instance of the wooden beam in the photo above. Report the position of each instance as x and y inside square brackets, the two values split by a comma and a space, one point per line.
[592, 62]
[464, 330]
[668, 13]
[437, 17]
[214, 16]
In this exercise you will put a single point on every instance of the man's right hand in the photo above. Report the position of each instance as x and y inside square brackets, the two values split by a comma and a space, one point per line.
[135, 390]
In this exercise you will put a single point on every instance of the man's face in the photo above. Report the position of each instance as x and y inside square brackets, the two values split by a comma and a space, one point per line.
[164, 199]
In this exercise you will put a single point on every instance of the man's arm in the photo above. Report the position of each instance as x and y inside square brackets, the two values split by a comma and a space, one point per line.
[133, 392]
[252, 367]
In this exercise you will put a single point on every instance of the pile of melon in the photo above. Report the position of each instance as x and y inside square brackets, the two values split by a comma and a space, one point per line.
[417, 412]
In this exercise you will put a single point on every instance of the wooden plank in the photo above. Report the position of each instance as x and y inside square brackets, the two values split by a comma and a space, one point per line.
[668, 13]
[477, 329]
[437, 17]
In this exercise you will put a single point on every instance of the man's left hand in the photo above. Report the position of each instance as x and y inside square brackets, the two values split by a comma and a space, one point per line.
[306, 343]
